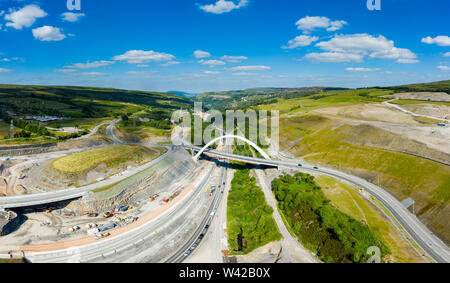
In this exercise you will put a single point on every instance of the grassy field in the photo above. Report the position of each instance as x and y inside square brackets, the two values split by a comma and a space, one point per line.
[249, 215]
[83, 123]
[349, 201]
[111, 156]
[408, 102]
[4, 129]
[143, 132]
[327, 99]
[352, 149]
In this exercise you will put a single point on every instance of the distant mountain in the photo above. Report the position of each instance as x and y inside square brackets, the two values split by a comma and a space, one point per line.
[182, 93]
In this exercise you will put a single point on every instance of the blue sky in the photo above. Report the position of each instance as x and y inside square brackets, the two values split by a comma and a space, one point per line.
[151, 45]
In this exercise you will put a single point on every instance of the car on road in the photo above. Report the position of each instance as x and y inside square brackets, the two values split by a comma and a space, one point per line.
[207, 226]
[300, 165]
[201, 236]
[188, 252]
[195, 245]
[315, 167]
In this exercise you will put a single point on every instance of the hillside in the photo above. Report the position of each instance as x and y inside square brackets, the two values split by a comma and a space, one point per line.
[82, 102]
[80, 107]
[251, 97]
[441, 86]
[353, 131]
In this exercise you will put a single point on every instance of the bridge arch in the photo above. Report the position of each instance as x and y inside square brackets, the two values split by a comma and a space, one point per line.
[255, 146]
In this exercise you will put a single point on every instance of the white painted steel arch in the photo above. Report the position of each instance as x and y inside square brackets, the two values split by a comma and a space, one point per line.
[232, 137]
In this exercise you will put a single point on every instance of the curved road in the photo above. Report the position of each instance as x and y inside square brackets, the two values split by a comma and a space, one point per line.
[430, 243]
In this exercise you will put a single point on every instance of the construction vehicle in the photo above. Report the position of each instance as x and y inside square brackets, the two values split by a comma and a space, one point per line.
[123, 208]
[74, 228]
[91, 225]
[109, 214]
[84, 213]
[154, 197]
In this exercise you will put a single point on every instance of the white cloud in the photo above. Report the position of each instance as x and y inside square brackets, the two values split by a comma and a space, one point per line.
[308, 24]
[90, 65]
[24, 17]
[250, 68]
[141, 72]
[48, 33]
[361, 70]
[170, 63]
[201, 54]
[447, 54]
[72, 17]
[336, 25]
[223, 6]
[441, 40]
[300, 41]
[334, 57]
[141, 56]
[66, 71]
[234, 59]
[93, 74]
[407, 61]
[241, 74]
[3, 70]
[364, 44]
[212, 63]
[443, 68]
[211, 73]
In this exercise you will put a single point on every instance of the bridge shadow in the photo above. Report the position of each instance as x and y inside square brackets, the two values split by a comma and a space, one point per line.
[234, 164]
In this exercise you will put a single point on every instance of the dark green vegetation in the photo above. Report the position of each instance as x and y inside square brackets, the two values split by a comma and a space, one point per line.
[83, 101]
[249, 219]
[334, 236]
[441, 86]
[241, 99]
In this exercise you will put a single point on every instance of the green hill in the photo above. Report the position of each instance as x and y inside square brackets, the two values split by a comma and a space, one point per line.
[252, 97]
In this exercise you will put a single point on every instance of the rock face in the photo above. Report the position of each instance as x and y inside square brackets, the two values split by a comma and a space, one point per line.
[8, 222]
[140, 187]
[27, 149]
[3, 186]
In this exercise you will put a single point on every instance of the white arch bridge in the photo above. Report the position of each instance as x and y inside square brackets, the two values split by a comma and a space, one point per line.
[225, 137]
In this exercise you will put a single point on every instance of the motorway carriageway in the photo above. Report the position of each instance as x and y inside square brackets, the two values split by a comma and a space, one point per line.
[122, 239]
[430, 243]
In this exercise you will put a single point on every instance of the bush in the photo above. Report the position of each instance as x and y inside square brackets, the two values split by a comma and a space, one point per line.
[249, 218]
[334, 236]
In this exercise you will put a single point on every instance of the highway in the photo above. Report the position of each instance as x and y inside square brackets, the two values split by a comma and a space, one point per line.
[429, 242]
[183, 253]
